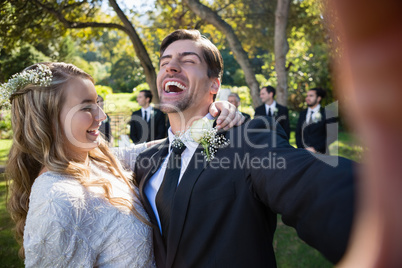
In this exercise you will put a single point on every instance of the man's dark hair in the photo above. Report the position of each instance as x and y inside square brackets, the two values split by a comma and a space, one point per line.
[269, 90]
[211, 54]
[147, 94]
[320, 92]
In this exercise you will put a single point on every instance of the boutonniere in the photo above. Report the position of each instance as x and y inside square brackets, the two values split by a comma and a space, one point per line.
[317, 117]
[275, 111]
[202, 132]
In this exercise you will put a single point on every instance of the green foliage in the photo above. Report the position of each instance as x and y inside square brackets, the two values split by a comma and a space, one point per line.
[126, 73]
[239, 78]
[262, 81]
[143, 86]
[19, 59]
[137, 89]
[67, 49]
[103, 91]
[5, 145]
[8, 246]
[293, 118]
[120, 103]
[5, 125]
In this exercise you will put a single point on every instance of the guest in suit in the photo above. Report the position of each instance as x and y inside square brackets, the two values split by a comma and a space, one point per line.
[234, 99]
[147, 123]
[221, 211]
[273, 109]
[311, 130]
[105, 128]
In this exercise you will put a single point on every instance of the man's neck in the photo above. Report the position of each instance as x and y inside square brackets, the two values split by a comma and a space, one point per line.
[180, 122]
[269, 102]
[313, 107]
[145, 106]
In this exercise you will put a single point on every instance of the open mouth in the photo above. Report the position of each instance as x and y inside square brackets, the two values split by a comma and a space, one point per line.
[174, 87]
[93, 132]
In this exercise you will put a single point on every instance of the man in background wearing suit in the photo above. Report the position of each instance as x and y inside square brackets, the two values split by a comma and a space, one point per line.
[311, 130]
[222, 211]
[234, 99]
[273, 109]
[148, 123]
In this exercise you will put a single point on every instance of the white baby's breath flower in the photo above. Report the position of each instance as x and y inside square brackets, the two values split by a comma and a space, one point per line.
[202, 132]
[41, 76]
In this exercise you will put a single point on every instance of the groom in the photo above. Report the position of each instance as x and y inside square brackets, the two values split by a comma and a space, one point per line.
[223, 212]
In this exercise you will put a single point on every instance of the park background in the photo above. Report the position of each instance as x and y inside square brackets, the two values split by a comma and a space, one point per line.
[283, 43]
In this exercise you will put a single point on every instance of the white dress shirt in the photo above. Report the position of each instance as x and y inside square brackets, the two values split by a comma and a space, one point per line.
[154, 183]
[149, 111]
[272, 107]
[309, 111]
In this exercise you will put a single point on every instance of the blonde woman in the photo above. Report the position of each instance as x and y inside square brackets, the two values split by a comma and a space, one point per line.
[73, 203]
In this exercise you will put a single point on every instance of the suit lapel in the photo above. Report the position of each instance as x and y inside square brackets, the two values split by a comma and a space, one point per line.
[156, 158]
[181, 200]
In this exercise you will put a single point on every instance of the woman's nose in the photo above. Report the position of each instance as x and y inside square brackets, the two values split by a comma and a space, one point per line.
[100, 115]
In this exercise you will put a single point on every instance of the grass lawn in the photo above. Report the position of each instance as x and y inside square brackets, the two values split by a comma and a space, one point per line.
[5, 146]
[292, 252]
[8, 245]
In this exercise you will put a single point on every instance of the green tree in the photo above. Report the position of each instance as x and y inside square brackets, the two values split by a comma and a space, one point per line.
[62, 15]
[18, 59]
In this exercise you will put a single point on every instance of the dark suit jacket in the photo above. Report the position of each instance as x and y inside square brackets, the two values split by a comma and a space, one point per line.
[247, 116]
[105, 128]
[282, 116]
[314, 134]
[142, 131]
[224, 211]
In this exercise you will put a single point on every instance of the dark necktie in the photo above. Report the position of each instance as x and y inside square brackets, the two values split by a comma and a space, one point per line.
[165, 195]
[145, 116]
[269, 111]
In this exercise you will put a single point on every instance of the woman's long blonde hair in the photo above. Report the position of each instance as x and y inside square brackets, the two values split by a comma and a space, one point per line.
[38, 144]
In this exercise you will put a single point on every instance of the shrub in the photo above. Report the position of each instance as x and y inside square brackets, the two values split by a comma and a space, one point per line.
[5, 125]
[103, 91]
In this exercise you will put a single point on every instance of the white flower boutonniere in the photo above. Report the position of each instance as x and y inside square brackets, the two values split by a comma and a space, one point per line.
[275, 111]
[317, 117]
[201, 131]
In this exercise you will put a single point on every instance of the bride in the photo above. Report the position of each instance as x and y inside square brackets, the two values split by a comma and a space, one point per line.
[72, 201]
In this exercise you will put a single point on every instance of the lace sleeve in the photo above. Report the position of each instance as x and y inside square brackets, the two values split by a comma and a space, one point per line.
[57, 226]
[128, 155]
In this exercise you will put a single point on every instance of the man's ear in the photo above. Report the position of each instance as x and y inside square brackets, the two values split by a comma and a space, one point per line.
[215, 85]
[318, 99]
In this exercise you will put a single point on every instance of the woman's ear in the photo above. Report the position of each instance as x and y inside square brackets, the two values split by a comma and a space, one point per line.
[215, 85]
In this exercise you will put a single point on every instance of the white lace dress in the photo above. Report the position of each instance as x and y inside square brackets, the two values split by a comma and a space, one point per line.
[69, 225]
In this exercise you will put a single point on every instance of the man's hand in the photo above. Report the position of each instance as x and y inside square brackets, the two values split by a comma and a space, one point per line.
[311, 149]
[229, 116]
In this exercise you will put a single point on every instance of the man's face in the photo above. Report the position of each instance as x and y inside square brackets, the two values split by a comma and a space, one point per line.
[142, 101]
[265, 96]
[233, 100]
[183, 83]
[312, 99]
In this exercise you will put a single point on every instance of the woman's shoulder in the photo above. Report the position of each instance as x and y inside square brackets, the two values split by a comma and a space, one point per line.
[55, 187]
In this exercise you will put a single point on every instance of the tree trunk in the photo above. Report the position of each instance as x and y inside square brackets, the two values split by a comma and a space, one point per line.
[213, 18]
[128, 28]
[281, 49]
[140, 51]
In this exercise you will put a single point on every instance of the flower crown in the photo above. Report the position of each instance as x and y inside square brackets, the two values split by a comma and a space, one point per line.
[40, 76]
